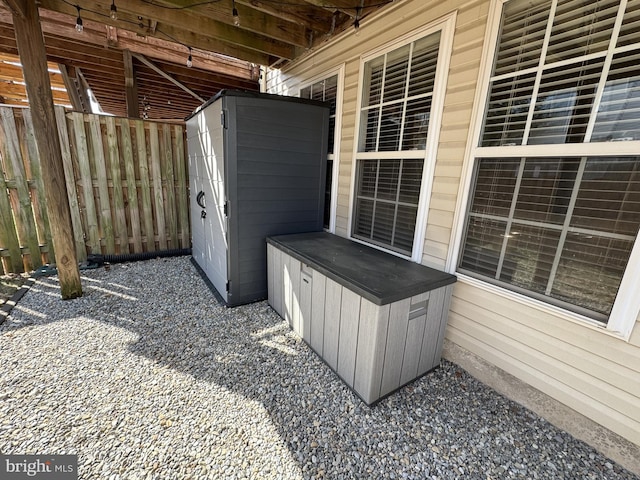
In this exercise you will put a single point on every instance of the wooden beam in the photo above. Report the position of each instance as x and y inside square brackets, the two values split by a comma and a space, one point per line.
[203, 33]
[345, 6]
[168, 77]
[112, 35]
[17, 7]
[62, 25]
[17, 91]
[130, 85]
[72, 90]
[201, 19]
[316, 20]
[85, 91]
[34, 63]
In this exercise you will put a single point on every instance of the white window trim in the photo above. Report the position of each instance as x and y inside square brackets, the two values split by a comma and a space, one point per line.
[339, 71]
[446, 26]
[626, 307]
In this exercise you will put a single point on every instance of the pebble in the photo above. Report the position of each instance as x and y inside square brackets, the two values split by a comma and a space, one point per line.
[146, 376]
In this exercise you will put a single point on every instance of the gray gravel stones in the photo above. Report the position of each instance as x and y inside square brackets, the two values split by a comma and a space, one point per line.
[147, 377]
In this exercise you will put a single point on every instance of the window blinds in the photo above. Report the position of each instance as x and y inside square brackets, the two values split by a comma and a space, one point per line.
[562, 78]
[556, 228]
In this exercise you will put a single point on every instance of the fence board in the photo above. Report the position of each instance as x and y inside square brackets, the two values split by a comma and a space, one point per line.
[127, 187]
[170, 185]
[82, 151]
[69, 176]
[182, 193]
[132, 193]
[23, 212]
[8, 236]
[120, 224]
[39, 205]
[106, 225]
[145, 188]
[156, 177]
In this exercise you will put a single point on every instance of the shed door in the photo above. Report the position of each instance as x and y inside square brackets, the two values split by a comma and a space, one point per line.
[215, 223]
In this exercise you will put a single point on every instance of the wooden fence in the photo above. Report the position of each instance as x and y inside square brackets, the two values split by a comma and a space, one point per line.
[126, 181]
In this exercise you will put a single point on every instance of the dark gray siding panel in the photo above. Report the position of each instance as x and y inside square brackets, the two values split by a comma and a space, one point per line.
[276, 173]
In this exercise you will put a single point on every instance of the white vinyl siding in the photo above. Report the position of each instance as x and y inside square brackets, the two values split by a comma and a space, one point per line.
[560, 228]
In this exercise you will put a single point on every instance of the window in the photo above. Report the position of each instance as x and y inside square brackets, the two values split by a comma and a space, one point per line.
[395, 121]
[559, 224]
[326, 91]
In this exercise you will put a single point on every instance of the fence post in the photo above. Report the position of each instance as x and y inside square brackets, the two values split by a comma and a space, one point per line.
[34, 65]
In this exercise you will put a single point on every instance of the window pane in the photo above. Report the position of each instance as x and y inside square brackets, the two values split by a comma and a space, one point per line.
[390, 124]
[327, 194]
[482, 246]
[369, 130]
[331, 93]
[395, 77]
[363, 217]
[332, 135]
[317, 92]
[523, 28]
[609, 196]
[373, 71]
[630, 24]
[405, 227]
[507, 111]
[423, 65]
[387, 195]
[388, 174]
[619, 114]
[545, 189]
[529, 257]
[590, 271]
[305, 92]
[564, 103]
[416, 124]
[581, 27]
[406, 107]
[367, 178]
[411, 181]
[581, 33]
[383, 223]
[570, 235]
[495, 184]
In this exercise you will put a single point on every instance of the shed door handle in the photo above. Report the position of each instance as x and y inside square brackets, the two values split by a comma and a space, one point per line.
[200, 199]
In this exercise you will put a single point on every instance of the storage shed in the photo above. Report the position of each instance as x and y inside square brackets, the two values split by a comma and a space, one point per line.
[257, 167]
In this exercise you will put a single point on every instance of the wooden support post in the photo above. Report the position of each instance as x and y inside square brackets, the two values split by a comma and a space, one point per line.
[131, 86]
[33, 57]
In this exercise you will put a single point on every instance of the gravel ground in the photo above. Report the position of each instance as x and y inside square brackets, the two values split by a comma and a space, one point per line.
[146, 377]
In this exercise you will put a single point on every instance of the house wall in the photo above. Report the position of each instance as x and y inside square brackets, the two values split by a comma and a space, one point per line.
[590, 370]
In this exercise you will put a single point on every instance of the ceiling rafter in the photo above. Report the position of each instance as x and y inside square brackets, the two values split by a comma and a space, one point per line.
[224, 53]
[269, 33]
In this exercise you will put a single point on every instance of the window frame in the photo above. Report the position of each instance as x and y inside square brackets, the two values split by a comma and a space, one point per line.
[446, 26]
[626, 308]
[335, 156]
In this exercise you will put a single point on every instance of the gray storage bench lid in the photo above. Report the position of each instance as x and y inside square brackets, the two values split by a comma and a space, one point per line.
[377, 276]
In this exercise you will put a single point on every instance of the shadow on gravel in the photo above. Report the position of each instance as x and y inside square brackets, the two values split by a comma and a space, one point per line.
[445, 425]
